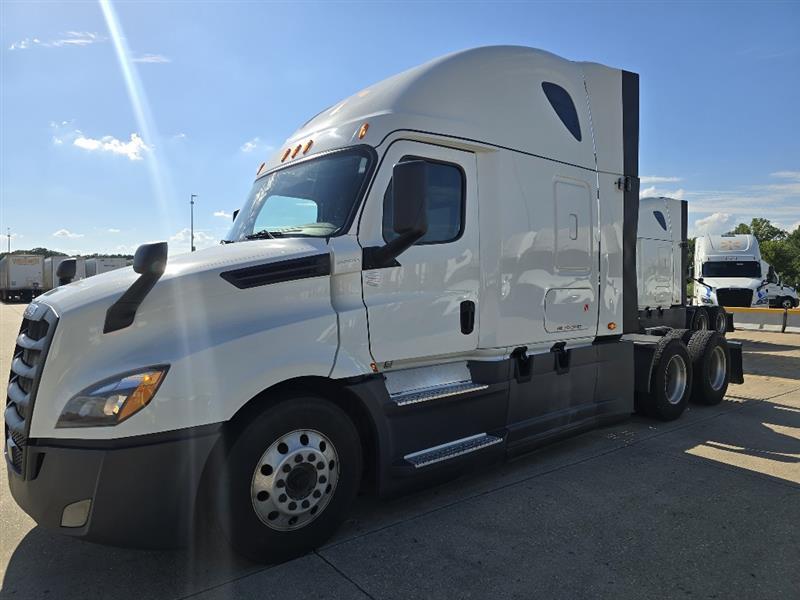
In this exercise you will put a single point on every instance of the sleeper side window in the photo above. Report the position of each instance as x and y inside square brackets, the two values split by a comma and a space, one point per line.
[445, 204]
[561, 102]
[660, 218]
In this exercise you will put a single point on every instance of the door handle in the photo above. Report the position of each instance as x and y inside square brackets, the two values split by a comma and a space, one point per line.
[467, 317]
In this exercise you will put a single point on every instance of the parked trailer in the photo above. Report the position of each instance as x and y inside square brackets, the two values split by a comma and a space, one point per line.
[662, 270]
[51, 264]
[96, 266]
[20, 277]
[354, 328]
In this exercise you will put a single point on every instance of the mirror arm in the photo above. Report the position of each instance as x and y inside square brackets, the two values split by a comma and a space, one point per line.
[379, 257]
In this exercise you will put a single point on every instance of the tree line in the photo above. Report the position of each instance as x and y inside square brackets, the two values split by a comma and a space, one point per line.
[46, 252]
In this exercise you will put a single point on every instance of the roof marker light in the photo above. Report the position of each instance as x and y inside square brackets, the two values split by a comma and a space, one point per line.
[308, 145]
[363, 131]
[261, 168]
[286, 154]
[296, 150]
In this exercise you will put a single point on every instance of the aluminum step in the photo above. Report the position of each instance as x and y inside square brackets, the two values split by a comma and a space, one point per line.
[436, 392]
[437, 454]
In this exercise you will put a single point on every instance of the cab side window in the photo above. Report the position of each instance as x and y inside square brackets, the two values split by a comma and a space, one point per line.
[445, 205]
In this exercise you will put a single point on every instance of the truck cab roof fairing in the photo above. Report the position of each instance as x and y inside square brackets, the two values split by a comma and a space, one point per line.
[492, 94]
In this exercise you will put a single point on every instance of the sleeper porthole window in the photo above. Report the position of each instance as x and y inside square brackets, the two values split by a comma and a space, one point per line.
[561, 102]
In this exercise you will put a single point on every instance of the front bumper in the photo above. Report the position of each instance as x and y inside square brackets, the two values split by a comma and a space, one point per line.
[143, 491]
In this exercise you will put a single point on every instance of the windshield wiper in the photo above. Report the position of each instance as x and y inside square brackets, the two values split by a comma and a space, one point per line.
[264, 234]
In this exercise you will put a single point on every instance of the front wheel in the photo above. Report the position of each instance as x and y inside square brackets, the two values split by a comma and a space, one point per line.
[289, 479]
[787, 303]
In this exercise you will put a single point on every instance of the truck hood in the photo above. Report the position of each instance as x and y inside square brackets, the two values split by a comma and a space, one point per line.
[186, 274]
[745, 283]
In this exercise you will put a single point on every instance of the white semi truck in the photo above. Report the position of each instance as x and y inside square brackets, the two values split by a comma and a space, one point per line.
[21, 277]
[729, 271]
[51, 265]
[433, 274]
[104, 264]
[662, 268]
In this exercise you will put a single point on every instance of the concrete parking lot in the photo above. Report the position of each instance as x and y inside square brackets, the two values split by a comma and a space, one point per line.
[704, 507]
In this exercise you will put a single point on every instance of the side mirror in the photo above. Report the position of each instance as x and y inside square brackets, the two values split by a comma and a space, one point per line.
[409, 198]
[409, 213]
[236, 212]
[66, 271]
[151, 259]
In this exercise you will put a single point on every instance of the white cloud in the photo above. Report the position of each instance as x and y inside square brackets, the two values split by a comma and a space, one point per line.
[132, 149]
[70, 38]
[650, 179]
[113, 230]
[786, 175]
[66, 233]
[250, 146]
[182, 238]
[654, 191]
[223, 214]
[713, 223]
[152, 59]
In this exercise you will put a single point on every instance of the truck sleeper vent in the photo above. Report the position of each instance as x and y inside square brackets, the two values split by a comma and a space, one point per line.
[278, 272]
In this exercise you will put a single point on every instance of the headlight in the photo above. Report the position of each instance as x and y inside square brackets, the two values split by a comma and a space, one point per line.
[112, 401]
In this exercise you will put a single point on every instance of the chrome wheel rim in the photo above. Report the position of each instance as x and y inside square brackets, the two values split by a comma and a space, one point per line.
[719, 363]
[294, 479]
[788, 304]
[702, 322]
[675, 380]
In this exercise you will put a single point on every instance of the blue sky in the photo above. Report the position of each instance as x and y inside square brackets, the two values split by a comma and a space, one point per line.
[225, 83]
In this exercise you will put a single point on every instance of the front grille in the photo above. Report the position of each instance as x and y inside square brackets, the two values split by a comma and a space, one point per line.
[27, 363]
[734, 297]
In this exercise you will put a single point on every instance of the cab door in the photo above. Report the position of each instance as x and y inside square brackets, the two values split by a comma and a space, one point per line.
[425, 305]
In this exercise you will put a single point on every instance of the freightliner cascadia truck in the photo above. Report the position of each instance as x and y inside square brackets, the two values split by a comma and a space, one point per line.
[728, 271]
[434, 274]
[662, 266]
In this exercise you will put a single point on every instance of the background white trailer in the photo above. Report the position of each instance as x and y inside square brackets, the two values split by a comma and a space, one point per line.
[21, 276]
[51, 264]
[95, 266]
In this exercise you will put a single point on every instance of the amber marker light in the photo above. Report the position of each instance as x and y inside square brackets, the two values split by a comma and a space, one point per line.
[612, 326]
[363, 131]
[286, 154]
[296, 150]
[261, 168]
[141, 396]
[308, 145]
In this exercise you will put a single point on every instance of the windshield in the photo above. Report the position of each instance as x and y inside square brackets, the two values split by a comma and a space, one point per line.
[749, 268]
[315, 198]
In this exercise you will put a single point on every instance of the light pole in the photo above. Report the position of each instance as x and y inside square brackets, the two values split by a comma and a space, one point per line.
[191, 212]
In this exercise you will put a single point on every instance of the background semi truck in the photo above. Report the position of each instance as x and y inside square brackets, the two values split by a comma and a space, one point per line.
[662, 269]
[376, 319]
[21, 277]
[51, 265]
[729, 271]
[96, 266]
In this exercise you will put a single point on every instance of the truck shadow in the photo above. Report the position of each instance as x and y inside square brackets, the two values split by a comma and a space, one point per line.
[754, 437]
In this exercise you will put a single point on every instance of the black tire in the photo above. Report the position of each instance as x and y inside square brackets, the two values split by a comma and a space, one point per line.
[668, 396]
[680, 334]
[787, 303]
[721, 322]
[234, 504]
[711, 360]
[700, 319]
